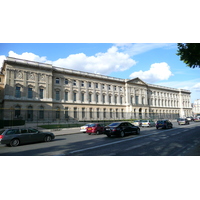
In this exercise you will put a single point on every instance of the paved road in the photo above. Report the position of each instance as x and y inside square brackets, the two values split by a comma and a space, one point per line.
[178, 141]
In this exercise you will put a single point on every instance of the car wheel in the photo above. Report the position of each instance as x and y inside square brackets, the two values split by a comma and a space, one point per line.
[14, 142]
[138, 131]
[89, 133]
[98, 132]
[108, 135]
[47, 138]
[122, 134]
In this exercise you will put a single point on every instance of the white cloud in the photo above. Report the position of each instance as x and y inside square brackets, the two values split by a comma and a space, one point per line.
[103, 63]
[2, 58]
[157, 72]
[138, 48]
[196, 87]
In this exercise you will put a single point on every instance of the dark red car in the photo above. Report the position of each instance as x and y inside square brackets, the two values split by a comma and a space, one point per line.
[95, 128]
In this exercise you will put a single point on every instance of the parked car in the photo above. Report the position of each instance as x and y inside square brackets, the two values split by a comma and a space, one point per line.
[190, 118]
[164, 124]
[95, 128]
[196, 119]
[137, 123]
[183, 121]
[121, 129]
[15, 136]
[148, 123]
[84, 128]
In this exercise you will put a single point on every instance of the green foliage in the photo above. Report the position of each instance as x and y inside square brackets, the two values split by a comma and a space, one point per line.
[189, 53]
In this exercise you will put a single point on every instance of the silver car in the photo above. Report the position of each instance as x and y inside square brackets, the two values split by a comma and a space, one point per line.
[84, 128]
[16, 136]
[148, 123]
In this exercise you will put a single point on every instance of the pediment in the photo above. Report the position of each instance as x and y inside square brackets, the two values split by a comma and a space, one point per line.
[137, 81]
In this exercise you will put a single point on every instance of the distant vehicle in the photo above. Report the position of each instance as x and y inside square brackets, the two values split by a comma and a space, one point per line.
[148, 123]
[95, 128]
[197, 119]
[164, 124]
[84, 128]
[137, 123]
[190, 118]
[183, 121]
[121, 129]
[14, 137]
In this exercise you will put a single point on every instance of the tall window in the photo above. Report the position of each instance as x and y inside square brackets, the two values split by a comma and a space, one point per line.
[74, 82]
[41, 112]
[57, 81]
[109, 98]
[17, 92]
[121, 100]
[111, 113]
[117, 113]
[82, 97]
[90, 112]
[103, 86]
[66, 96]
[75, 112]
[143, 100]
[89, 84]
[57, 95]
[58, 113]
[115, 99]
[109, 87]
[104, 113]
[66, 81]
[103, 98]
[41, 93]
[96, 85]
[74, 96]
[90, 97]
[136, 100]
[97, 98]
[17, 111]
[83, 113]
[66, 113]
[122, 113]
[98, 113]
[30, 93]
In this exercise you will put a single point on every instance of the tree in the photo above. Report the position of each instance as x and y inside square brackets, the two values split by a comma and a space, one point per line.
[189, 53]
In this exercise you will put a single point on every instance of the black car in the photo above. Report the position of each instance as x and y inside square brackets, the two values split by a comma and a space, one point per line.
[164, 124]
[15, 136]
[121, 129]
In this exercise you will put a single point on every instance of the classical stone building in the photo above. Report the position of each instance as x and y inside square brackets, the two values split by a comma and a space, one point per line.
[37, 91]
[196, 107]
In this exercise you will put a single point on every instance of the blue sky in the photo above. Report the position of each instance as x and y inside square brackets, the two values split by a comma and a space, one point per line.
[155, 63]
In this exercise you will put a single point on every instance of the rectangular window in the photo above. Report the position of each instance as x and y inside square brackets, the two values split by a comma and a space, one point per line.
[97, 98]
[90, 97]
[96, 85]
[82, 83]
[83, 113]
[82, 97]
[17, 92]
[66, 81]
[117, 113]
[74, 96]
[104, 112]
[66, 96]
[103, 86]
[74, 82]
[66, 113]
[111, 113]
[103, 98]
[136, 100]
[89, 84]
[57, 80]
[30, 93]
[75, 113]
[121, 100]
[109, 99]
[90, 112]
[115, 99]
[120, 88]
[109, 87]
[115, 87]
[41, 114]
[97, 112]
[57, 95]
[41, 93]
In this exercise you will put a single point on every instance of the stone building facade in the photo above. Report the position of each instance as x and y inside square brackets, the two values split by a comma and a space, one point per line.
[37, 91]
[196, 107]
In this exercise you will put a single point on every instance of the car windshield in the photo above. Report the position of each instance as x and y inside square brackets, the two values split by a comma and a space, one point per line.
[181, 119]
[91, 125]
[114, 124]
[160, 122]
[144, 121]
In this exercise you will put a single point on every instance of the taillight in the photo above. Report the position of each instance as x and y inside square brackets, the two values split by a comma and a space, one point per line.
[1, 136]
